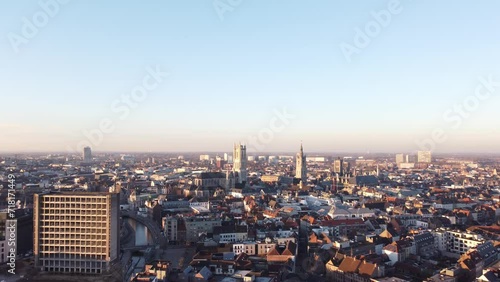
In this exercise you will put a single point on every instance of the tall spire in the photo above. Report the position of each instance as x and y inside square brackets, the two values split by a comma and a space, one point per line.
[240, 162]
[301, 169]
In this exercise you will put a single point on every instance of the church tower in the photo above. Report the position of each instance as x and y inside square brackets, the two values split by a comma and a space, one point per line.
[229, 181]
[301, 165]
[240, 162]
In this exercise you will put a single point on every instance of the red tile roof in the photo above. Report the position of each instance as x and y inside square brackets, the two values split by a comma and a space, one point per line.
[349, 264]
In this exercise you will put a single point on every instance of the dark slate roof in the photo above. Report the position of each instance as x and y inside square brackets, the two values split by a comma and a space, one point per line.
[486, 250]
[364, 180]
[229, 229]
[424, 237]
[211, 175]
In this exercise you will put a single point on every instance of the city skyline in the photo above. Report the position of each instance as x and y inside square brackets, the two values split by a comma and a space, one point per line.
[217, 79]
[220, 153]
[245, 141]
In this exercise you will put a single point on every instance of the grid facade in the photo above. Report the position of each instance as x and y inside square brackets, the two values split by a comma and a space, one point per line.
[76, 233]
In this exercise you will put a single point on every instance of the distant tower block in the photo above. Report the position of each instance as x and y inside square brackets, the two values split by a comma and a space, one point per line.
[338, 166]
[424, 157]
[301, 166]
[240, 162]
[87, 155]
[400, 158]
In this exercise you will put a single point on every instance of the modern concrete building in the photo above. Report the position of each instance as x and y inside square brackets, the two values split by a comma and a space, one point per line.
[170, 228]
[76, 232]
[400, 158]
[338, 166]
[424, 157]
[4, 243]
[230, 234]
[196, 226]
[87, 155]
[270, 178]
[456, 243]
[204, 157]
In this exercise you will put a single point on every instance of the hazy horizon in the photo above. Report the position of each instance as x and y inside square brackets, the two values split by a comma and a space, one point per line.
[256, 153]
[269, 74]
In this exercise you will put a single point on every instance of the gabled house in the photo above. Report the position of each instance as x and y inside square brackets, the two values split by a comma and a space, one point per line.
[398, 251]
[203, 275]
[353, 269]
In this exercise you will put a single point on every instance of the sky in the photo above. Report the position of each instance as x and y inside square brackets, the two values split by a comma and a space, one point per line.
[339, 76]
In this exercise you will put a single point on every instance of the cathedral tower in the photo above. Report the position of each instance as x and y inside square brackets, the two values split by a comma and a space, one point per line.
[301, 166]
[240, 162]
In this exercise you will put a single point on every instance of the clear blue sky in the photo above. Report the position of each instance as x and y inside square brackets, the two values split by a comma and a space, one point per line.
[228, 76]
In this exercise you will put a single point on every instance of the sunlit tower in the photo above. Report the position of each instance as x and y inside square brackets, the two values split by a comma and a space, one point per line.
[240, 162]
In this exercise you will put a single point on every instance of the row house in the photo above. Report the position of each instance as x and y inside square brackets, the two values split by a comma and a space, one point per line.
[424, 245]
[352, 269]
[230, 234]
[196, 226]
[345, 227]
[280, 257]
[398, 251]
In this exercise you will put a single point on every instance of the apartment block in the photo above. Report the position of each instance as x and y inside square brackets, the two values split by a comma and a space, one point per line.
[456, 243]
[76, 232]
[170, 228]
[196, 226]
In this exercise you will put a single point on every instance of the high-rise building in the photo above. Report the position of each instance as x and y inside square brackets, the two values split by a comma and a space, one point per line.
[5, 236]
[400, 158]
[240, 162]
[87, 155]
[204, 157]
[301, 165]
[338, 166]
[170, 228]
[424, 157]
[76, 232]
[9, 247]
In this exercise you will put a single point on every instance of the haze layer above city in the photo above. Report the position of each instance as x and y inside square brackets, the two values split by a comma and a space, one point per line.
[184, 76]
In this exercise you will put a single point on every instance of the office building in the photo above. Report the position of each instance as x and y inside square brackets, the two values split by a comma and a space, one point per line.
[76, 232]
[338, 166]
[170, 224]
[424, 157]
[4, 248]
[87, 155]
[197, 226]
[400, 158]
[456, 243]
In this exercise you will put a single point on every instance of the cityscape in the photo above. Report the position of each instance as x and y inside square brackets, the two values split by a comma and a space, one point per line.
[239, 216]
[249, 141]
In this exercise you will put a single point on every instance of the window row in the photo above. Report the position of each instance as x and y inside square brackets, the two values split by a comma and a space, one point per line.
[73, 250]
[71, 259]
[66, 231]
[93, 242]
[73, 270]
[73, 200]
[75, 223]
